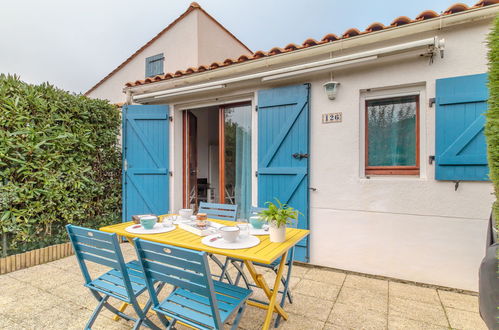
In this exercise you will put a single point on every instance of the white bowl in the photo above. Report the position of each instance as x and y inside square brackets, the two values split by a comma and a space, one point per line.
[229, 233]
[185, 213]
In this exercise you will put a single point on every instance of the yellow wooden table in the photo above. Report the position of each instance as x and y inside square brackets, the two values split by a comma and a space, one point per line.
[266, 252]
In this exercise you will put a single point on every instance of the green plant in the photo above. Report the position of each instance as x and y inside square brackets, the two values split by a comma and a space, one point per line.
[279, 214]
[492, 123]
[60, 163]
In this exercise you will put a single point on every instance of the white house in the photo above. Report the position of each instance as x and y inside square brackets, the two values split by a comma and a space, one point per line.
[389, 169]
[194, 38]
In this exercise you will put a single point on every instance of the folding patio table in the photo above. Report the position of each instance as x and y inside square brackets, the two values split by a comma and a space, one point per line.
[266, 252]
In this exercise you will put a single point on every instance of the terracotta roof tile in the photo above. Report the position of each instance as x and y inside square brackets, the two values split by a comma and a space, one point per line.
[330, 37]
[401, 20]
[376, 26]
[310, 42]
[291, 47]
[456, 8]
[427, 14]
[351, 32]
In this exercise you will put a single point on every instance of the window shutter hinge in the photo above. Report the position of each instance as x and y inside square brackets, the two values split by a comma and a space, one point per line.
[431, 159]
[431, 102]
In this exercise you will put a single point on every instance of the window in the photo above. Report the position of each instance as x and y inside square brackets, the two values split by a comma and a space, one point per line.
[392, 136]
[154, 65]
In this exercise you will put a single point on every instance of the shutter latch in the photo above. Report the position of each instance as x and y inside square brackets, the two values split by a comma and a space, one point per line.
[431, 159]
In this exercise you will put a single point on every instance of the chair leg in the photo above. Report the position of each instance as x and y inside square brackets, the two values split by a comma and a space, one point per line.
[240, 269]
[96, 312]
[111, 308]
[164, 320]
[224, 268]
[240, 313]
[219, 264]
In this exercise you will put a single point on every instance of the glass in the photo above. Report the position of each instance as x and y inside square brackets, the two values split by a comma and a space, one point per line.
[391, 127]
[244, 230]
[238, 157]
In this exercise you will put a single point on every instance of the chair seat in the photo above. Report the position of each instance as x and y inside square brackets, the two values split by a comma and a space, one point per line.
[195, 309]
[112, 282]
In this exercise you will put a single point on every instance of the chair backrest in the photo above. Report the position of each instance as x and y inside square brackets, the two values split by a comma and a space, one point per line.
[95, 246]
[219, 211]
[182, 268]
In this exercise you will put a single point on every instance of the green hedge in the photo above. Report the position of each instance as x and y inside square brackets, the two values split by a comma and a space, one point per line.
[59, 164]
[492, 124]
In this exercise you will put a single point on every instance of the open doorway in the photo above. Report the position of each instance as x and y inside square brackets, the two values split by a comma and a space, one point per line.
[217, 156]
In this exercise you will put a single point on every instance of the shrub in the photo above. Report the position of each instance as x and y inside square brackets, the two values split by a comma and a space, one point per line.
[59, 163]
[492, 124]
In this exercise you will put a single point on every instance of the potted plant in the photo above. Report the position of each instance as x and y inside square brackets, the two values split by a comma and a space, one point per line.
[278, 215]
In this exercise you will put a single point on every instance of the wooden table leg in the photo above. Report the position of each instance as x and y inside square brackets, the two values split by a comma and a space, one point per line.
[271, 294]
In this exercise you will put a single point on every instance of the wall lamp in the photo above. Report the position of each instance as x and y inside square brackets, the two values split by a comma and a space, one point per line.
[331, 89]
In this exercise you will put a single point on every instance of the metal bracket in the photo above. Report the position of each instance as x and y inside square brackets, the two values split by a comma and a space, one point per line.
[256, 108]
[431, 102]
[170, 172]
[456, 185]
[256, 173]
[313, 189]
[431, 159]
[299, 156]
[170, 118]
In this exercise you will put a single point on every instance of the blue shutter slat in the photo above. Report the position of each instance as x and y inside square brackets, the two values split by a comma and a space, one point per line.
[461, 152]
[154, 65]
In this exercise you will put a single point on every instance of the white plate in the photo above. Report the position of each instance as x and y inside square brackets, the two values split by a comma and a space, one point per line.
[238, 244]
[157, 229]
[259, 232]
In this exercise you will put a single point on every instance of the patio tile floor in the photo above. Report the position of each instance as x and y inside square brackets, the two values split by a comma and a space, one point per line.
[51, 296]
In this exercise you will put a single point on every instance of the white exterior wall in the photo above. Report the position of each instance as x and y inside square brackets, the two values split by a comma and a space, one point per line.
[409, 227]
[186, 44]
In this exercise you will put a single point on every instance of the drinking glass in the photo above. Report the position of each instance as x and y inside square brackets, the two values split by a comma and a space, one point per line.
[244, 230]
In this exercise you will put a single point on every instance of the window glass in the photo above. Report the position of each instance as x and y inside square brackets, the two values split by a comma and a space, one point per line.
[391, 132]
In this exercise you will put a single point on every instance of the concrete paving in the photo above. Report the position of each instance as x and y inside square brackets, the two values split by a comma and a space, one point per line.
[51, 296]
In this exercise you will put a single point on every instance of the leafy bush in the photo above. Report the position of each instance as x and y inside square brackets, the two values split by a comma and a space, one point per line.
[59, 163]
[492, 124]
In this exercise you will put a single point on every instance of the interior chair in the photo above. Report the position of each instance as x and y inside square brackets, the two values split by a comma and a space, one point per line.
[125, 281]
[197, 300]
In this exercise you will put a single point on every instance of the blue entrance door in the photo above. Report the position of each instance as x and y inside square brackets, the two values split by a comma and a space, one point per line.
[283, 135]
[145, 160]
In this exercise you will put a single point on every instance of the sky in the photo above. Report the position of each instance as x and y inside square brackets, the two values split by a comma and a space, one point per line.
[73, 44]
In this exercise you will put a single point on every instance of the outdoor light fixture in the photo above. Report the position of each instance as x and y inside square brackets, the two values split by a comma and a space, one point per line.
[331, 89]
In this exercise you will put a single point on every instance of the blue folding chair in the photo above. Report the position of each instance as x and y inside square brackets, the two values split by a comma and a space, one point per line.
[274, 266]
[221, 212]
[197, 300]
[125, 281]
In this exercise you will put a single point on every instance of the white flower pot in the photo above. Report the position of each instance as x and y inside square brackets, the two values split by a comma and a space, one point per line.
[277, 234]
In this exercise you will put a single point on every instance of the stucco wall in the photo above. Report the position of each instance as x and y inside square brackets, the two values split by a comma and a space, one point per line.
[193, 41]
[409, 227]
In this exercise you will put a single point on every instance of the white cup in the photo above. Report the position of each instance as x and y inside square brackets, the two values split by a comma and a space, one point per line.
[185, 214]
[229, 233]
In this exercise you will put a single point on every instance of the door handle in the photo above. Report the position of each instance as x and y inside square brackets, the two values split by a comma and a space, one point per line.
[299, 156]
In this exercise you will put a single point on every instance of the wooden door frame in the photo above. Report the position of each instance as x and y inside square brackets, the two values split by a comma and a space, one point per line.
[221, 151]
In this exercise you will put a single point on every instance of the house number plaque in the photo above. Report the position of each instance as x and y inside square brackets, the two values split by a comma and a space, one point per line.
[334, 117]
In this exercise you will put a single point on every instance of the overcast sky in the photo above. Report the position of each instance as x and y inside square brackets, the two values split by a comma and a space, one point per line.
[75, 43]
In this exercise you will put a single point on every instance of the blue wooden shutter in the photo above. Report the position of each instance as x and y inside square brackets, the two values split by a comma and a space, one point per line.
[283, 130]
[154, 65]
[146, 161]
[460, 142]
